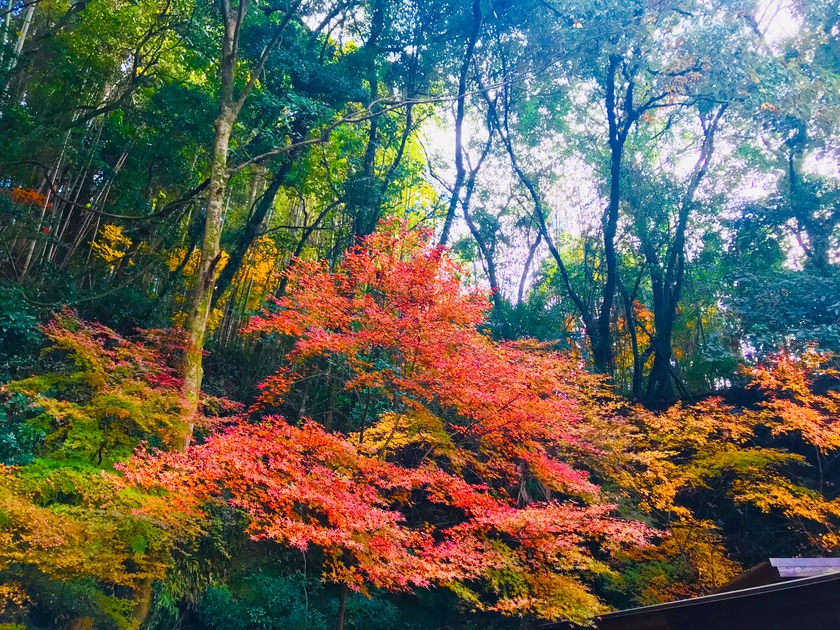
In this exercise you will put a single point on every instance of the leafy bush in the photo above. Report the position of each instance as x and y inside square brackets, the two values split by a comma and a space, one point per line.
[264, 603]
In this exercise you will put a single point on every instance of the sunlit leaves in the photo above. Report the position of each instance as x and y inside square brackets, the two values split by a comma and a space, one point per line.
[467, 480]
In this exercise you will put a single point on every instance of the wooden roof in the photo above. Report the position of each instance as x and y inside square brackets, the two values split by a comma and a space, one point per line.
[787, 603]
[780, 569]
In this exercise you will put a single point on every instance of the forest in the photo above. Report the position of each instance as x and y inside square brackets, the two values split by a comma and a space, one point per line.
[412, 314]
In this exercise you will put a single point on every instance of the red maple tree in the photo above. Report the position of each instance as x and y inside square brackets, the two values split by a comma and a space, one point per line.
[465, 480]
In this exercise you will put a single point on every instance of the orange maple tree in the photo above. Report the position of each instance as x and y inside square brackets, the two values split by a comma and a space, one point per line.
[684, 467]
[462, 480]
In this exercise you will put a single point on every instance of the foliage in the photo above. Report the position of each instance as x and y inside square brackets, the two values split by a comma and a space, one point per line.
[268, 603]
[464, 462]
[438, 490]
[701, 469]
[63, 515]
[648, 190]
[19, 338]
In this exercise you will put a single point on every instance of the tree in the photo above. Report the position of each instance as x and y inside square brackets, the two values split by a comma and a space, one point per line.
[668, 274]
[637, 72]
[66, 518]
[461, 479]
[230, 106]
[710, 471]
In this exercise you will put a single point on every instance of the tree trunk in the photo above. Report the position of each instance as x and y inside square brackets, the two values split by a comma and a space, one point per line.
[638, 364]
[487, 250]
[660, 387]
[142, 603]
[249, 235]
[34, 241]
[601, 342]
[366, 200]
[487, 256]
[527, 269]
[202, 297]
[589, 320]
[460, 171]
[342, 607]
[667, 286]
[24, 30]
[7, 18]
